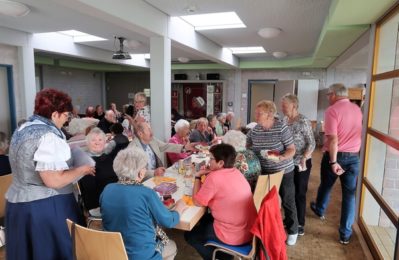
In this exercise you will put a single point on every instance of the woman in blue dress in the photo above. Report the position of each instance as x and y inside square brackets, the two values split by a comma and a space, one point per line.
[40, 197]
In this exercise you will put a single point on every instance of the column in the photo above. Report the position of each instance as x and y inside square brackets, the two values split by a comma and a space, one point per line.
[160, 83]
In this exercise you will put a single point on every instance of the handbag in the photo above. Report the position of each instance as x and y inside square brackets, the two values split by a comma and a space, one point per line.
[161, 238]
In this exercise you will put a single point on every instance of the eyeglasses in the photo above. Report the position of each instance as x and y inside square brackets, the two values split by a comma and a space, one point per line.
[211, 158]
[329, 93]
[139, 101]
[68, 115]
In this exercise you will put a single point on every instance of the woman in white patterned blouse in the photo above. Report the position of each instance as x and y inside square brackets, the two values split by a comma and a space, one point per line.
[302, 134]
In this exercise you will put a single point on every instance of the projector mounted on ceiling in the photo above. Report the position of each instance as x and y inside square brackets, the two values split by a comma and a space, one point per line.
[121, 55]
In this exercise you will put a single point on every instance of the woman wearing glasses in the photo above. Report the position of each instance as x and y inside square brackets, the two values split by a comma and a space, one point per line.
[40, 197]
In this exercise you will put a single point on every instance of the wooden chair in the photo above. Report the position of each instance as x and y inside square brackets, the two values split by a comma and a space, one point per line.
[248, 251]
[90, 244]
[5, 182]
[90, 217]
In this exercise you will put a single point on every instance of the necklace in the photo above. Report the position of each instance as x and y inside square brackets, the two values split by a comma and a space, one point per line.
[127, 181]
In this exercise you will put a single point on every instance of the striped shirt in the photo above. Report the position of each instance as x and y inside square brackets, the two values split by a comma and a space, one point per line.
[277, 138]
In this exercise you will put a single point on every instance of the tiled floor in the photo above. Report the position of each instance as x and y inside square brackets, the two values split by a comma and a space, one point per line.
[321, 237]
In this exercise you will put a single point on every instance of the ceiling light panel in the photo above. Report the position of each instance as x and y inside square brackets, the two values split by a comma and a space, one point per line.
[213, 21]
[244, 50]
[81, 36]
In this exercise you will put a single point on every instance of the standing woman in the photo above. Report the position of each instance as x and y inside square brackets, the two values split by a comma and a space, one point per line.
[302, 133]
[40, 197]
[272, 134]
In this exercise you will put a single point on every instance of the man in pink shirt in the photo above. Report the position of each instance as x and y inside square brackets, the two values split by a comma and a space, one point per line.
[343, 129]
[228, 195]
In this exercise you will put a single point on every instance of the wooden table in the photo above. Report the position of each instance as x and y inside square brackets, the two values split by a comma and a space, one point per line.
[192, 214]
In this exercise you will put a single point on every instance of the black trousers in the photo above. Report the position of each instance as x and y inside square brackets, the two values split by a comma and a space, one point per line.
[301, 180]
[287, 194]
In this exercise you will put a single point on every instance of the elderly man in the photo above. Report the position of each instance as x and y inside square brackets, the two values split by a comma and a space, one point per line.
[155, 149]
[343, 130]
[108, 120]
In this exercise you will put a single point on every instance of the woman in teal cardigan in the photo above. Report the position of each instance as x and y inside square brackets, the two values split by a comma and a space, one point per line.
[136, 211]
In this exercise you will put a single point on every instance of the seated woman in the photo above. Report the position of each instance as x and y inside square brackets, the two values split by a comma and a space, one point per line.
[182, 128]
[5, 167]
[246, 160]
[220, 129]
[77, 128]
[228, 195]
[92, 186]
[136, 211]
[200, 133]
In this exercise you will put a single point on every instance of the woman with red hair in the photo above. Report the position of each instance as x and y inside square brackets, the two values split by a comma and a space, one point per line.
[40, 197]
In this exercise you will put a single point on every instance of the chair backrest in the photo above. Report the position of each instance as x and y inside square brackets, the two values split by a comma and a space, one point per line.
[92, 244]
[264, 184]
[5, 182]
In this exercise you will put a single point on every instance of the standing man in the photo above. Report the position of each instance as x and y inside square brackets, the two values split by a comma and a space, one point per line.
[343, 129]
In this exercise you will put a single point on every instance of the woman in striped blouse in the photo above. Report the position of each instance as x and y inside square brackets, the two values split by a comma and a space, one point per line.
[272, 134]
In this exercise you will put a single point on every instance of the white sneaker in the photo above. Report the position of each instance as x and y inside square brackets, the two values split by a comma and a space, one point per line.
[291, 240]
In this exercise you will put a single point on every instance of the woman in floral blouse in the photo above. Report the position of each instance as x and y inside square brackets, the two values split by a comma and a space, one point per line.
[246, 161]
[302, 133]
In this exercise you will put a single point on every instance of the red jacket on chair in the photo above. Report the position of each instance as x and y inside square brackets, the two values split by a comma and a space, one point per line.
[269, 228]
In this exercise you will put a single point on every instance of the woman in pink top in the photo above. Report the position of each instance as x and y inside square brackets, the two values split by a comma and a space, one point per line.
[228, 195]
[182, 128]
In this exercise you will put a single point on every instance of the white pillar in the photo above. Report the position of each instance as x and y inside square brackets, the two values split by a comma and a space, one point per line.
[26, 60]
[160, 82]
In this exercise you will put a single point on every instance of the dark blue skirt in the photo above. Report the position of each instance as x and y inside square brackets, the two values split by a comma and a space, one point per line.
[37, 230]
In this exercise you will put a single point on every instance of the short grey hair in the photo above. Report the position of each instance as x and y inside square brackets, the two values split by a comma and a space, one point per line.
[79, 125]
[181, 123]
[236, 139]
[291, 98]
[129, 162]
[339, 90]
[220, 115]
[202, 120]
[140, 94]
[95, 131]
[3, 141]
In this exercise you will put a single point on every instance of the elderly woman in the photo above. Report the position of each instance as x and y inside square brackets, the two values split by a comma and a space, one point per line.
[5, 167]
[136, 211]
[272, 134]
[92, 186]
[220, 129]
[182, 128]
[246, 161]
[40, 197]
[77, 128]
[302, 133]
[200, 133]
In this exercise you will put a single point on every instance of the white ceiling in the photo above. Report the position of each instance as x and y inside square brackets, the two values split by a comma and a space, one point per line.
[300, 20]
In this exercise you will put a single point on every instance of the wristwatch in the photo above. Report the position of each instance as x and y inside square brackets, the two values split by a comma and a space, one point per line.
[332, 163]
[197, 178]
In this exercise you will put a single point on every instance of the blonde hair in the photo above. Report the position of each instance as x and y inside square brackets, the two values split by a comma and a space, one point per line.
[267, 106]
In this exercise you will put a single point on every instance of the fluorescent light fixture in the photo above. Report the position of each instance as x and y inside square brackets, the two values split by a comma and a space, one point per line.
[14, 9]
[214, 21]
[147, 56]
[81, 36]
[244, 50]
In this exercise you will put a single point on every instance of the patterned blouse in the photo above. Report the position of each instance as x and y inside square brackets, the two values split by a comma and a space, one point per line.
[302, 133]
[248, 164]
